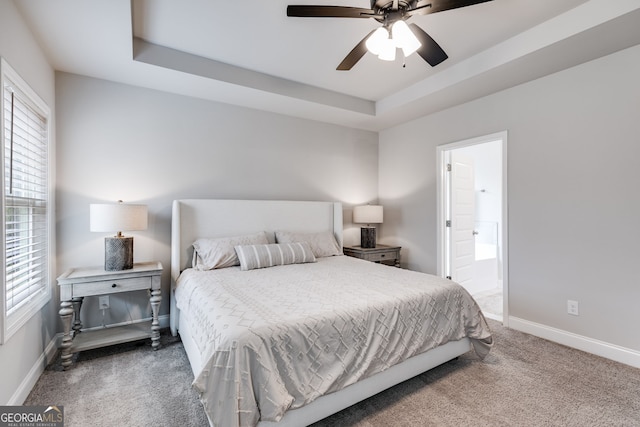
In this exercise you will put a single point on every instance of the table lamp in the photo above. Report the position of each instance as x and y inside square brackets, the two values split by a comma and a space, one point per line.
[367, 214]
[118, 250]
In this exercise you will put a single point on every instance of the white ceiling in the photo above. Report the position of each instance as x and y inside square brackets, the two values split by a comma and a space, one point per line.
[251, 54]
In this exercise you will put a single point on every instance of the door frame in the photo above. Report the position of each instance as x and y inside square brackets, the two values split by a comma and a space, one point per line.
[442, 155]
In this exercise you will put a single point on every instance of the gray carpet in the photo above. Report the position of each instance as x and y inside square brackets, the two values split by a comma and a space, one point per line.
[124, 385]
[525, 381]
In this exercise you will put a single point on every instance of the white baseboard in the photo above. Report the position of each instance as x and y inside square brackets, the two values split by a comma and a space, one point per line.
[45, 358]
[492, 316]
[590, 345]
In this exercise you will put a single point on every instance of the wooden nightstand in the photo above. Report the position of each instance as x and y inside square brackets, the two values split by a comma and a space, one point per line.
[78, 283]
[380, 254]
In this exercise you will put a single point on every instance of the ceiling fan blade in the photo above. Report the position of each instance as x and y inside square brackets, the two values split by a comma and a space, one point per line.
[355, 55]
[426, 7]
[430, 51]
[329, 12]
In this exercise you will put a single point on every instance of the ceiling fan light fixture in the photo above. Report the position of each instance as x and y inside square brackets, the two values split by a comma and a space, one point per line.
[388, 51]
[376, 41]
[404, 38]
[391, 14]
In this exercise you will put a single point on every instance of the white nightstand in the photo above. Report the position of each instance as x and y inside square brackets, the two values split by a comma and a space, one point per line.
[78, 283]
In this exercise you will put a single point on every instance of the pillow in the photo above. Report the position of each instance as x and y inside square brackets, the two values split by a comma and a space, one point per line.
[322, 244]
[209, 254]
[261, 256]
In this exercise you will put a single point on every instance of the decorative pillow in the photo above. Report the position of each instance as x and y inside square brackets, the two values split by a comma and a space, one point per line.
[261, 256]
[323, 243]
[209, 254]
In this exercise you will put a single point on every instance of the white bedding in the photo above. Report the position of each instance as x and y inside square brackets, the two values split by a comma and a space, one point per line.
[275, 339]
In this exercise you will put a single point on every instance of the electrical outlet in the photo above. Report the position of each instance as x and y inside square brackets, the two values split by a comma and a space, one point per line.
[572, 308]
[104, 302]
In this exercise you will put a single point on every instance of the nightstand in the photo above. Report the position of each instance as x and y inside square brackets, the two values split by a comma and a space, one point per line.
[77, 283]
[380, 254]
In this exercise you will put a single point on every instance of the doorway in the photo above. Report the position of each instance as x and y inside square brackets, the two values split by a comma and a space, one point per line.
[472, 219]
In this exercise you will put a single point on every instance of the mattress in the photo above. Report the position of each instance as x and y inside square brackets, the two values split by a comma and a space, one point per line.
[275, 339]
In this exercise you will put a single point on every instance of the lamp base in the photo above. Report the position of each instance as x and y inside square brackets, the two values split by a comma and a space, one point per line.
[368, 237]
[118, 253]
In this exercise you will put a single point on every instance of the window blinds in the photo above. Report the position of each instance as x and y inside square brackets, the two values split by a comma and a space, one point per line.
[25, 199]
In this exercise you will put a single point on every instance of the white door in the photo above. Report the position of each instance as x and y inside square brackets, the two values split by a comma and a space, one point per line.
[462, 215]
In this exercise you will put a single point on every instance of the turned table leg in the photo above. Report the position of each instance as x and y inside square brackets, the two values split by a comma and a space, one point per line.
[156, 298]
[77, 306]
[66, 314]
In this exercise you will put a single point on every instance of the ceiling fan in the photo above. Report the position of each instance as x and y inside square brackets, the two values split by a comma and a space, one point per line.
[394, 33]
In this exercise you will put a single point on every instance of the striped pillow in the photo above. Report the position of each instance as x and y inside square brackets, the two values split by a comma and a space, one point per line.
[261, 256]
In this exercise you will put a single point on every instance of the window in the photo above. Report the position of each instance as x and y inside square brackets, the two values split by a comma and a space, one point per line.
[25, 199]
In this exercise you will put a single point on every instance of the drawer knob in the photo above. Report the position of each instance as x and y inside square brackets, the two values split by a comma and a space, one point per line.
[114, 285]
[382, 255]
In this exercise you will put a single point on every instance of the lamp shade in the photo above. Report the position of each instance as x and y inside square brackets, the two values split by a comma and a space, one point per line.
[388, 50]
[376, 40]
[379, 43]
[367, 214]
[404, 38]
[117, 217]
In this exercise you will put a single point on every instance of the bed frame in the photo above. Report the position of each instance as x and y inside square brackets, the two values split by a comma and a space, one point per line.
[195, 218]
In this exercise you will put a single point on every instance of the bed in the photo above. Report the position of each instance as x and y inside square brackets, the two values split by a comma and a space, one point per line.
[291, 344]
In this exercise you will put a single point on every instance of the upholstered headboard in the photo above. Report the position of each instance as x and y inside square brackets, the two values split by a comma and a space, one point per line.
[196, 218]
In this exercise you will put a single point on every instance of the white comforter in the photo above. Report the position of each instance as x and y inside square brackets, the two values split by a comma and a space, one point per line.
[277, 338]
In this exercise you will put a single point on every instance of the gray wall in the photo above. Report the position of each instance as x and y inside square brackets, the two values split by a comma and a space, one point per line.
[573, 175]
[25, 348]
[144, 146]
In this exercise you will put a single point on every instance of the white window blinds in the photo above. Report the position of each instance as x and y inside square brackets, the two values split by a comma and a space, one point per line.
[25, 200]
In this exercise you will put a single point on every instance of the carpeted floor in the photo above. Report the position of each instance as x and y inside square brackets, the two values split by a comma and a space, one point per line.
[525, 381]
[126, 385]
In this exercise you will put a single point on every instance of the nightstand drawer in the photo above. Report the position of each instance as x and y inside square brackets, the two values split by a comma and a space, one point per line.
[389, 255]
[375, 257]
[111, 286]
